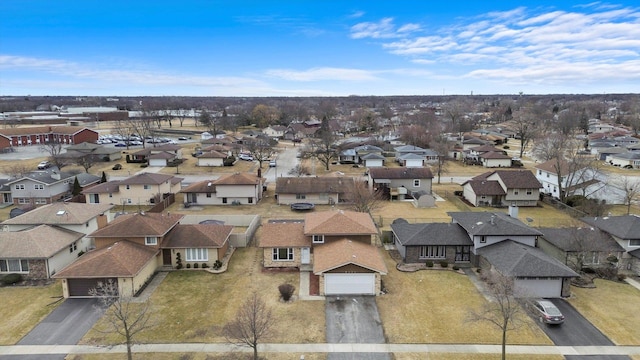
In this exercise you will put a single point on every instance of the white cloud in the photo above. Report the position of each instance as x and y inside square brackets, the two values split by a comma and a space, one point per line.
[321, 74]
[383, 29]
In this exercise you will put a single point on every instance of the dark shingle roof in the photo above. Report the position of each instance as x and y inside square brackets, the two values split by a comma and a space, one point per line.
[401, 173]
[486, 187]
[489, 223]
[580, 239]
[430, 234]
[313, 185]
[518, 179]
[515, 259]
[624, 227]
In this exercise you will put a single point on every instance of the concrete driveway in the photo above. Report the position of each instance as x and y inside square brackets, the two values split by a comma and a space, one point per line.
[66, 325]
[577, 331]
[354, 319]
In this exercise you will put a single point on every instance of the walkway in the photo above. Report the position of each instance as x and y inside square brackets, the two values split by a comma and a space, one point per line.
[323, 348]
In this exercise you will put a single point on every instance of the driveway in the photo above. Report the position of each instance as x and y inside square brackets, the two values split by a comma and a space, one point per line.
[66, 325]
[577, 331]
[354, 319]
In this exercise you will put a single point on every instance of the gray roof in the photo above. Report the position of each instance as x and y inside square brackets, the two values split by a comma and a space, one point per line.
[624, 227]
[430, 234]
[492, 223]
[85, 179]
[411, 156]
[372, 156]
[44, 176]
[518, 260]
[627, 155]
[580, 239]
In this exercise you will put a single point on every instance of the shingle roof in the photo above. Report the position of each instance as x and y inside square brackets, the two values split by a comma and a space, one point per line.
[146, 178]
[550, 166]
[339, 222]
[272, 235]
[139, 225]
[238, 179]
[372, 156]
[492, 223]
[122, 259]
[400, 173]
[430, 234]
[103, 188]
[494, 155]
[344, 252]
[518, 260]
[197, 236]
[42, 241]
[485, 148]
[486, 187]
[212, 154]
[580, 239]
[624, 227]
[313, 185]
[60, 213]
[518, 179]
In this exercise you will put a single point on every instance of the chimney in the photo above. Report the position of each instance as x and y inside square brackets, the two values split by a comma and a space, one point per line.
[493, 219]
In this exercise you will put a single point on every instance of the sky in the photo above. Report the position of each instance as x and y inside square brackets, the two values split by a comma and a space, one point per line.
[317, 48]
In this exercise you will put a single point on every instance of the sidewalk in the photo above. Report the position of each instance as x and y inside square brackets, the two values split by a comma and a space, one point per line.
[323, 348]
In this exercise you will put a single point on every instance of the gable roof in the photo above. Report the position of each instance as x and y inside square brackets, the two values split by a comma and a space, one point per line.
[400, 173]
[625, 227]
[430, 234]
[313, 185]
[517, 179]
[339, 222]
[344, 252]
[197, 236]
[550, 166]
[485, 149]
[212, 154]
[372, 156]
[518, 260]
[147, 178]
[492, 223]
[44, 177]
[103, 188]
[238, 179]
[121, 259]
[485, 187]
[580, 239]
[60, 213]
[271, 235]
[494, 155]
[139, 225]
[42, 241]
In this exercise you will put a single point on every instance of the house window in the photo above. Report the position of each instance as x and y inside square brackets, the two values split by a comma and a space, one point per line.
[19, 187]
[147, 187]
[128, 201]
[529, 191]
[591, 258]
[483, 239]
[23, 201]
[151, 240]
[208, 195]
[318, 239]
[416, 183]
[634, 242]
[539, 172]
[547, 174]
[516, 192]
[224, 200]
[463, 253]
[301, 196]
[40, 201]
[197, 254]
[433, 252]
[73, 247]
[283, 254]
[38, 186]
[128, 187]
[250, 200]
[14, 265]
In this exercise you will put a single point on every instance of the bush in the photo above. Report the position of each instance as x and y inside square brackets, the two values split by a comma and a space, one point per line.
[444, 264]
[188, 266]
[506, 147]
[196, 265]
[229, 160]
[588, 270]
[458, 193]
[217, 265]
[178, 261]
[11, 279]
[456, 267]
[205, 265]
[286, 291]
[429, 263]
[479, 270]
[144, 165]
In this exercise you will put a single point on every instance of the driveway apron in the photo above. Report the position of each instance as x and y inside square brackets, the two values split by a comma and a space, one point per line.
[353, 319]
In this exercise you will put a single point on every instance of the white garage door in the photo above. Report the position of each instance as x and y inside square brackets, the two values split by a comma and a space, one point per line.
[349, 284]
[544, 288]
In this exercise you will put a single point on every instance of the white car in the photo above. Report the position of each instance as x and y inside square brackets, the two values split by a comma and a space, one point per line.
[44, 165]
[245, 157]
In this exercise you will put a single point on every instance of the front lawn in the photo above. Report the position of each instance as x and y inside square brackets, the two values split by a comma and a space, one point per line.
[194, 306]
[431, 306]
[23, 307]
[612, 307]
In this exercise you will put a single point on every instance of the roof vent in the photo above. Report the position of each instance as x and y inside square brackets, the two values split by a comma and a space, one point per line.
[209, 184]
[60, 212]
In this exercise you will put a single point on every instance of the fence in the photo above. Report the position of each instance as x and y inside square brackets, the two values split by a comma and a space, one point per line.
[251, 222]
[573, 212]
[163, 204]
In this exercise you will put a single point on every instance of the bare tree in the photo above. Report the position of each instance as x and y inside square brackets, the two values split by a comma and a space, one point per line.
[54, 149]
[299, 170]
[504, 311]
[17, 170]
[123, 317]
[322, 147]
[362, 198]
[261, 148]
[87, 161]
[631, 188]
[264, 115]
[441, 146]
[252, 324]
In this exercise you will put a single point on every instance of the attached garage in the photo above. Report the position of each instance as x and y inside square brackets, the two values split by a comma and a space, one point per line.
[350, 284]
[540, 288]
[82, 287]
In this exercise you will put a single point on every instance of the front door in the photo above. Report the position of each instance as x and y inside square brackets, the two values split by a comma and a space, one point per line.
[305, 256]
[166, 256]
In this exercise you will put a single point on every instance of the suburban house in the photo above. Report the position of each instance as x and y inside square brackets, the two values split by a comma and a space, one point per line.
[77, 217]
[47, 186]
[400, 183]
[315, 190]
[504, 243]
[336, 245]
[372, 160]
[580, 247]
[95, 152]
[625, 230]
[141, 189]
[158, 155]
[627, 160]
[407, 155]
[202, 244]
[238, 188]
[211, 158]
[38, 135]
[275, 131]
[38, 252]
[493, 159]
[502, 188]
[435, 242]
[411, 160]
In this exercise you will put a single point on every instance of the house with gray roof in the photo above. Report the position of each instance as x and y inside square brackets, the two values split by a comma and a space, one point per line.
[625, 230]
[503, 188]
[400, 183]
[46, 186]
[627, 160]
[315, 190]
[422, 242]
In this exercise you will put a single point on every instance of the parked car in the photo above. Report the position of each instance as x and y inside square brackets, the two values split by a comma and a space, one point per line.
[182, 138]
[44, 165]
[117, 167]
[120, 145]
[546, 312]
[245, 157]
[272, 163]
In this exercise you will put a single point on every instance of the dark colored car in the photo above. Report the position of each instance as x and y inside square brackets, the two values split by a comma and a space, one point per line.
[116, 167]
[546, 312]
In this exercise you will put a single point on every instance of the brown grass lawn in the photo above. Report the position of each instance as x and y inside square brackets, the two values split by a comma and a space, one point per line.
[202, 356]
[193, 306]
[441, 356]
[431, 306]
[23, 307]
[613, 308]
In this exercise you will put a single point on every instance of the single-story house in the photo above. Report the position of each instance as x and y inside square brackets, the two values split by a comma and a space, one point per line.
[211, 158]
[494, 159]
[411, 160]
[400, 183]
[315, 190]
[198, 244]
[372, 160]
[238, 188]
[419, 243]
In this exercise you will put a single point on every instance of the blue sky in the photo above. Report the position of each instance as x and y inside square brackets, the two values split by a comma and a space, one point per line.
[317, 48]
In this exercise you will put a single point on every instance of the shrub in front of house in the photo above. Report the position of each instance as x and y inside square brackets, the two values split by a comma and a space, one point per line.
[456, 267]
[11, 279]
[205, 265]
[217, 265]
[286, 291]
[444, 264]
[196, 265]
[429, 263]
[188, 266]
